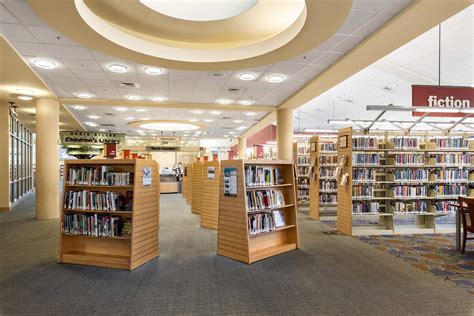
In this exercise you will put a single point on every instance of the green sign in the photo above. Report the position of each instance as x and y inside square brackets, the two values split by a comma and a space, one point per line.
[90, 138]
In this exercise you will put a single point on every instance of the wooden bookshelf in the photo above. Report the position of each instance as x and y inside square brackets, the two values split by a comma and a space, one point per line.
[301, 157]
[196, 200]
[314, 178]
[234, 240]
[210, 194]
[124, 252]
[187, 182]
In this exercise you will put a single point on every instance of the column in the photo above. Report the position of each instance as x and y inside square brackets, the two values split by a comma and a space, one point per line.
[285, 134]
[47, 162]
[242, 147]
[4, 158]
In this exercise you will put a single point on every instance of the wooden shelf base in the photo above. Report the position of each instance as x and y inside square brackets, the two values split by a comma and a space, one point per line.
[271, 251]
[96, 259]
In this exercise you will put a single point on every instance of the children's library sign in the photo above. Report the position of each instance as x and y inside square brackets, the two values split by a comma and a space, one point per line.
[90, 139]
[445, 97]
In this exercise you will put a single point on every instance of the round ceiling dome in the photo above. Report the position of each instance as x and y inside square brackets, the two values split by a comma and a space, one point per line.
[203, 10]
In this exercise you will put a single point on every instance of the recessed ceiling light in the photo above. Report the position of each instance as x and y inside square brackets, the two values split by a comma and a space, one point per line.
[238, 121]
[140, 131]
[25, 97]
[215, 113]
[145, 119]
[208, 121]
[247, 76]
[275, 78]
[120, 109]
[93, 117]
[158, 99]
[193, 120]
[141, 110]
[83, 95]
[92, 124]
[129, 118]
[246, 102]
[133, 97]
[225, 101]
[79, 107]
[241, 128]
[101, 130]
[249, 113]
[25, 91]
[197, 112]
[118, 68]
[154, 71]
[232, 133]
[45, 63]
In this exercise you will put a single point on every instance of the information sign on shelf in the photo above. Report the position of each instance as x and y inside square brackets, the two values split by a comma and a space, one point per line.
[211, 172]
[146, 177]
[230, 181]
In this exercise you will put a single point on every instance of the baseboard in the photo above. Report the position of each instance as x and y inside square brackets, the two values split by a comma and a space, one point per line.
[5, 209]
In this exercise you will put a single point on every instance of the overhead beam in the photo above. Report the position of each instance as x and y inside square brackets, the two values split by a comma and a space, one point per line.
[415, 20]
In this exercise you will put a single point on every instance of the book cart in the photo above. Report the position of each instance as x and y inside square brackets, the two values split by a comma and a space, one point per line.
[323, 183]
[187, 182]
[400, 183]
[301, 158]
[210, 194]
[110, 224]
[250, 230]
[196, 200]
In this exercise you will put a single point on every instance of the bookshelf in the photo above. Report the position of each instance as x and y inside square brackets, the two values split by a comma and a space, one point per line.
[237, 236]
[314, 178]
[403, 183]
[301, 156]
[187, 182]
[210, 194]
[126, 214]
[327, 160]
[196, 200]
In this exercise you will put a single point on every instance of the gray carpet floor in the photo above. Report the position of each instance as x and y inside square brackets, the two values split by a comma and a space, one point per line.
[330, 275]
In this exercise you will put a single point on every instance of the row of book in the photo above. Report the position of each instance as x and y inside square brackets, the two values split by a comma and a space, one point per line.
[261, 176]
[410, 174]
[401, 191]
[98, 201]
[103, 175]
[327, 172]
[450, 143]
[303, 150]
[409, 159]
[303, 194]
[450, 189]
[327, 198]
[328, 160]
[264, 199]
[363, 175]
[359, 159]
[303, 181]
[363, 191]
[452, 174]
[265, 222]
[328, 147]
[365, 208]
[303, 160]
[406, 142]
[95, 225]
[445, 206]
[409, 207]
[327, 185]
[364, 142]
[453, 159]
[303, 171]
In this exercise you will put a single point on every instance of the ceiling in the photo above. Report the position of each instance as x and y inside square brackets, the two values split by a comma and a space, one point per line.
[389, 80]
[85, 70]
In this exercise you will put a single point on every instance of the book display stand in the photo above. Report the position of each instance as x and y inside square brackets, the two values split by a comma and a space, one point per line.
[187, 184]
[196, 200]
[210, 194]
[302, 164]
[257, 209]
[400, 183]
[109, 212]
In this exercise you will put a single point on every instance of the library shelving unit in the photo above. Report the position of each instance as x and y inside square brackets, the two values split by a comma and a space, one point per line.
[97, 237]
[187, 182]
[210, 194]
[237, 237]
[197, 201]
[400, 183]
[301, 158]
[327, 160]
[314, 178]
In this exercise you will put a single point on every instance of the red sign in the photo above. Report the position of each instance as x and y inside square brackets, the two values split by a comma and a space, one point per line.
[215, 157]
[126, 154]
[110, 150]
[446, 97]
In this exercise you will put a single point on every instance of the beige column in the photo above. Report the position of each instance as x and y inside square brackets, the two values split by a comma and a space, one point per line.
[4, 161]
[285, 134]
[242, 147]
[47, 162]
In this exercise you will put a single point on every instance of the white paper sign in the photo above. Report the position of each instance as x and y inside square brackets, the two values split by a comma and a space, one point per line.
[146, 177]
[211, 172]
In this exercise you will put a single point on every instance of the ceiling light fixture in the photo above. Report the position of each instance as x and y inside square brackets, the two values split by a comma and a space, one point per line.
[208, 121]
[318, 130]
[83, 95]
[45, 63]
[247, 102]
[249, 114]
[338, 122]
[277, 78]
[133, 97]
[158, 99]
[169, 126]
[120, 109]
[91, 124]
[225, 101]
[118, 68]
[93, 117]
[129, 118]
[153, 71]
[238, 121]
[25, 97]
[25, 91]
[141, 110]
[247, 76]
[197, 112]
[101, 130]
[193, 120]
[215, 113]
[79, 107]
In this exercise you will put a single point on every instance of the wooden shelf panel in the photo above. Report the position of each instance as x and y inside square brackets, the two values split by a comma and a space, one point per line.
[271, 251]
[263, 187]
[96, 259]
[272, 231]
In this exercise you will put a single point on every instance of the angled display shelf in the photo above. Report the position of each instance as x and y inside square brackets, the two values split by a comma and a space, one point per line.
[187, 185]
[301, 158]
[210, 194]
[196, 200]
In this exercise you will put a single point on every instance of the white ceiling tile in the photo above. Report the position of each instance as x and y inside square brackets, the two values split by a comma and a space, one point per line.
[66, 51]
[81, 64]
[331, 42]
[88, 74]
[17, 32]
[56, 72]
[328, 59]
[48, 35]
[356, 19]
[373, 25]
[398, 6]
[31, 49]
[65, 81]
[99, 83]
[306, 58]
[347, 44]
[371, 5]
[183, 73]
[285, 68]
[6, 16]
[23, 12]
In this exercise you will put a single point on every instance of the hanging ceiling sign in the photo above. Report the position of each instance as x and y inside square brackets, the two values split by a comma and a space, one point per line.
[162, 148]
[89, 138]
[168, 141]
[444, 97]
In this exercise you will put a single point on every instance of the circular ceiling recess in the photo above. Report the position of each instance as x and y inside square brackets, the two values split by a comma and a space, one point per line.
[166, 125]
[199, 34]
[204, 10]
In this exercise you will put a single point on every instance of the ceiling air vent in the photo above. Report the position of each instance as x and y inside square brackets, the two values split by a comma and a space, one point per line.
[225, 118]
[129, 85]
[107, 125]
[350, 101]
[235, 90]
[227, 127]
[216, 74]
[109, 114]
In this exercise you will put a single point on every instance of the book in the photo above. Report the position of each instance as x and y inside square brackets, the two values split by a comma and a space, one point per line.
[279, 218]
